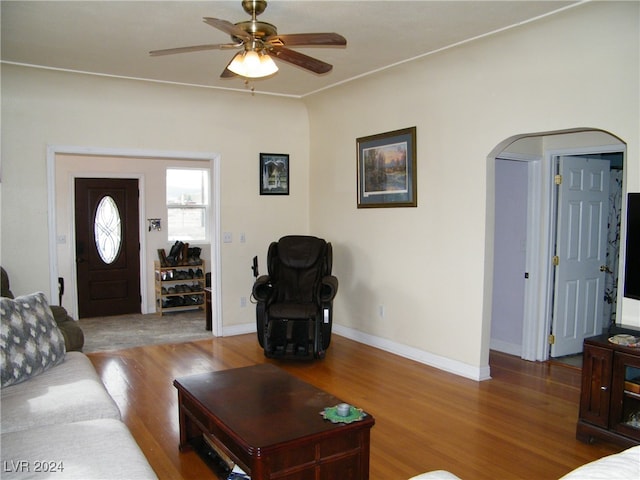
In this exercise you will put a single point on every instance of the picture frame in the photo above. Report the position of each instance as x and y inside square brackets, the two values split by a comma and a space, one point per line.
[386, 165]
[274, 174]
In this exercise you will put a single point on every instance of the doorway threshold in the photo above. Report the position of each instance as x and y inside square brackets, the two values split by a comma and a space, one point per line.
[573, 361]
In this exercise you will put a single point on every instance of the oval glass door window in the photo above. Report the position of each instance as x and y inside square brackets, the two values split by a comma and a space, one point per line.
[108, 230]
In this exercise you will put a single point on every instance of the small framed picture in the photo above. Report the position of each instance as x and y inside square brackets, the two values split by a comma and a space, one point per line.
[274, 174]
[387, 169]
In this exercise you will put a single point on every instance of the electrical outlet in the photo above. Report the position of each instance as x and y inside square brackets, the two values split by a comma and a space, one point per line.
[227, 237]
[381, 311]
[243, 238]
[243, 302]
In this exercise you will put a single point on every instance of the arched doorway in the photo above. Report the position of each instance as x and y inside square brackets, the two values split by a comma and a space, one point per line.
[533, 158]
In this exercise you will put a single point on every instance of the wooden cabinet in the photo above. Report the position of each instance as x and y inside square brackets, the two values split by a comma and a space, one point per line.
[610, 394]
[595, 394]
[179, 288]
[625, 395]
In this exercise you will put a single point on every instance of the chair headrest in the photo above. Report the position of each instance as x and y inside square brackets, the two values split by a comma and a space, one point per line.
[299, 251]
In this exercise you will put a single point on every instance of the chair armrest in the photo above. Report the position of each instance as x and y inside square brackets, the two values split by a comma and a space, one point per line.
[60, 314]
[329, 288]
[262, 288]
[70, 329]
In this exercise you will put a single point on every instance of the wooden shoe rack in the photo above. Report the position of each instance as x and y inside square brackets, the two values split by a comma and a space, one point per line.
[179, 288]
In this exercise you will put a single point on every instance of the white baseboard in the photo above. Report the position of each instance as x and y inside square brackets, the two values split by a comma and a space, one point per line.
[426, 358]
[437, 361]
[505, 347]
[239, 329]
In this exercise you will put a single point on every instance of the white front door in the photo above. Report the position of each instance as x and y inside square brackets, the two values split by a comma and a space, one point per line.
[581, 243]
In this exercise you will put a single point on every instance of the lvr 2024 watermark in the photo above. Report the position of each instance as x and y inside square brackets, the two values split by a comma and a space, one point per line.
[37, 466]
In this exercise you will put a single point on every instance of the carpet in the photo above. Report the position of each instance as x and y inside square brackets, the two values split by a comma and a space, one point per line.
[127, 331]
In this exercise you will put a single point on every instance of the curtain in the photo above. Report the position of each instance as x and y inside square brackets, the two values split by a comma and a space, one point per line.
[613, 248]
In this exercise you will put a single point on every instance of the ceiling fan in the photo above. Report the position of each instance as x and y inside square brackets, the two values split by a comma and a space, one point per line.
[259, 41]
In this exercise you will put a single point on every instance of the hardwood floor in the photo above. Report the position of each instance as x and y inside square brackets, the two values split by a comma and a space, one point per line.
[520, 424]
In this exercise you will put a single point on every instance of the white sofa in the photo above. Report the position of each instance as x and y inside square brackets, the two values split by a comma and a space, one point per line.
[63, 424]
[621, 466]
[57, 418]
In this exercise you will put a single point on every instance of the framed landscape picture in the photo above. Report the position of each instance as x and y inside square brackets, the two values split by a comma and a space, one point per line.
[274, 174]
[387, 169]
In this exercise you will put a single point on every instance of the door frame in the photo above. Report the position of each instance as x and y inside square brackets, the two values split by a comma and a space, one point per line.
[214, 163]
[546, 284]
[531, 313]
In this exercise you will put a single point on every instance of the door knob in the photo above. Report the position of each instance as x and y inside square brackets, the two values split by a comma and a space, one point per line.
[604, 268]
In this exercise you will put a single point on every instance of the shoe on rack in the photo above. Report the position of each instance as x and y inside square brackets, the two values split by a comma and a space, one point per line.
[194, 256]
[175, 253]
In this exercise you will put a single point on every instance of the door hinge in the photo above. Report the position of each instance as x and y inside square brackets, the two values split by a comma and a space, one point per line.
[558, 179]
[556, 260]
[552, 339]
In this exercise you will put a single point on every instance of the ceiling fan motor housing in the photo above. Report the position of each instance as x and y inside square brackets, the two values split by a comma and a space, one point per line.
[257, 29]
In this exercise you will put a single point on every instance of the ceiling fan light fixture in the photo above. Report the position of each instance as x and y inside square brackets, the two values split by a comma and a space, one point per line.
[267, 64]
[251, 64]
[237, 65]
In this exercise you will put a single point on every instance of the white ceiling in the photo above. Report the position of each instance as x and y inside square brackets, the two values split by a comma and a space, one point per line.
[114, 37]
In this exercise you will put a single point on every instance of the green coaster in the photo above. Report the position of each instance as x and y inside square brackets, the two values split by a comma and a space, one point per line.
[331, 414]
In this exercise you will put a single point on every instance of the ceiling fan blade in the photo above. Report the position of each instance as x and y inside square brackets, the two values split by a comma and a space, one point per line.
[226, 73]
[308, 39]
[227, 27]
[194, 48]
[300, 59]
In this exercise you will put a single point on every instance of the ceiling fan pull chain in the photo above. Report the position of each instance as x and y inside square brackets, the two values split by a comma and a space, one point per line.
[247, 85]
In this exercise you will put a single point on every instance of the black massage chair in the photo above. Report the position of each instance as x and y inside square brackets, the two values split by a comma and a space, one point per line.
[295, 300]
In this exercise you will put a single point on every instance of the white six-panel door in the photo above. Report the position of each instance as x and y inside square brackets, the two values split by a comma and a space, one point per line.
[583, 198]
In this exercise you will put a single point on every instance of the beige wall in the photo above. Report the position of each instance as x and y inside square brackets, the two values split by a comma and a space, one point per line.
[42, 108]
[431, 266]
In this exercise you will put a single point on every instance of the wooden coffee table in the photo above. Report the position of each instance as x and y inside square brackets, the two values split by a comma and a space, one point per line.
[268, 422]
